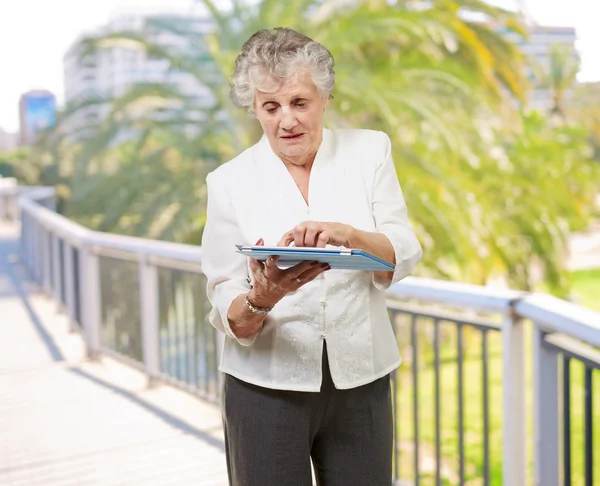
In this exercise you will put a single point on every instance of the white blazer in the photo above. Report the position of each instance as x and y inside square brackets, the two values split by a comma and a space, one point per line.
[353, 180]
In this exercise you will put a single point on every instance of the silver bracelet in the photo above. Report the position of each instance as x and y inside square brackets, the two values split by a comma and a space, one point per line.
[257, 310]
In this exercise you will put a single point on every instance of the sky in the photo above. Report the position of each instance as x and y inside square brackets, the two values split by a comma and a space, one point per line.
[35, 34]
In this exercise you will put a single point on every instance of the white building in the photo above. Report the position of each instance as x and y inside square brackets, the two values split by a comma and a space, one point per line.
[8, 141]
[538, 47]
[111, 72]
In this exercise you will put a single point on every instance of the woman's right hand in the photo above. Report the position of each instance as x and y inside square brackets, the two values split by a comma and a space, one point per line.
[272, 283]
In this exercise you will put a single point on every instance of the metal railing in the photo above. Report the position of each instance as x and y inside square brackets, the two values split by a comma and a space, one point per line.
[461, 398]
[574, 358]
[436, 363]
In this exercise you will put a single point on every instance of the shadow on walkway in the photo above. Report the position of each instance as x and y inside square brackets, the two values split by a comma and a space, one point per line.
[15, 285]
[166, 417]
[8, 253]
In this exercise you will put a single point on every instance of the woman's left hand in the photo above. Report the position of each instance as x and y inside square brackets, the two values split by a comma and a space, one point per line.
[318, 234]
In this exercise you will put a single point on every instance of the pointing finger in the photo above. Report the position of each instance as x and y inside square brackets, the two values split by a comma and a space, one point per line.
[299, 232]
[323, 240]
[310, 239]
[286, 239]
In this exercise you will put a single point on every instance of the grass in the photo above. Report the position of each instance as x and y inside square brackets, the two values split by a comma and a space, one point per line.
[586, 287]
[473, 408]
[473, 404]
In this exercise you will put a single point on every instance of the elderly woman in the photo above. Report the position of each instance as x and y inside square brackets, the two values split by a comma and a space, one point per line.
[308, 351]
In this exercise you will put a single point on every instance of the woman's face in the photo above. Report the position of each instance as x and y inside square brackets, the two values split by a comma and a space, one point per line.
[291, 115]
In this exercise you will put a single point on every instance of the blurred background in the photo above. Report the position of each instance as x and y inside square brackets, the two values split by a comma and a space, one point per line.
[493, 108]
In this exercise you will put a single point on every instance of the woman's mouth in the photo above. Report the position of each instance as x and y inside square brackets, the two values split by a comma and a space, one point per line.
[291, 138]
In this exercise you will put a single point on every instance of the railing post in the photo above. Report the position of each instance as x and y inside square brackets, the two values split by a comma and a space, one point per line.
[39, 250]
[30, 244]
[25, 230]
[6, 197]
[13, 209]
[40, 254]
[47, 254]
[150, 316]
[545, 421]
[513, 365]
[91, 299]
[35, 252]
[22, 233]
[69, 284]
[220, 338]
[58, 270]
[3, 207]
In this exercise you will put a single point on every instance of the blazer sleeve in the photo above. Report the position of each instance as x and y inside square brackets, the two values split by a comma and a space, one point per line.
[226, 270]
[391, 219]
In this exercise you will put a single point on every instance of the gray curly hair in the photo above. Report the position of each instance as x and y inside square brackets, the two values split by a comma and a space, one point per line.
[280, 54]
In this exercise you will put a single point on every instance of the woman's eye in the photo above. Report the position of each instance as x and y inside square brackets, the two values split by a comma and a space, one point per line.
[300, 105]
[271, 110]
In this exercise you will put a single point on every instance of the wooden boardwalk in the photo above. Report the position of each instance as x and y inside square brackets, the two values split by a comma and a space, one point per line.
[66, 420]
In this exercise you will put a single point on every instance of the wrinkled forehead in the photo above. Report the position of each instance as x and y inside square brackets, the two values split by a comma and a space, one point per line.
[297, 84]
[268, 83]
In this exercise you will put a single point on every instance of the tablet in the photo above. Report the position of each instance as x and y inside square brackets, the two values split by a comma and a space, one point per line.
[337, 258]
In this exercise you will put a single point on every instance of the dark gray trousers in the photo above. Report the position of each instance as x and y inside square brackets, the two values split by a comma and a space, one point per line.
[271, 435]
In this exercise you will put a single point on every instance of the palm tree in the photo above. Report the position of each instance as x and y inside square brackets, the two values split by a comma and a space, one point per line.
[436, 81]
[559, 76]
[584, 108]
[452, 53]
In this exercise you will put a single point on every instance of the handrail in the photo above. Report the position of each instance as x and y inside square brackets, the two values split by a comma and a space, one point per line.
[79, 235]
[574, 348]
[456, 294]
[47, 237]
[556, 315]
[553, 314]
[74, 233]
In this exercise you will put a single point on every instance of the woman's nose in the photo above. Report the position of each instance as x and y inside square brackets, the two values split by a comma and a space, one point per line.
[288, 120]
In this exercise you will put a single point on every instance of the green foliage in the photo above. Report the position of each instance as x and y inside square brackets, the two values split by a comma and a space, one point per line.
[584, 107]
[6, 169]
[492, 192]
[586, 288]
[559, 76]
[546, 190]
[27, 169]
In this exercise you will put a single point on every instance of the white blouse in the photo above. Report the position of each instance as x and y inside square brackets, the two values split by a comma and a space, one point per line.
[353, 180]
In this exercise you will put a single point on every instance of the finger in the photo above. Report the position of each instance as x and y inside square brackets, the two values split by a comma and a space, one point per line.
[255, 266]
[286, 239]
[297, 270]
[310, 275]
[271, 263]
[323, 239]
[299, 232]
[312, 232]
